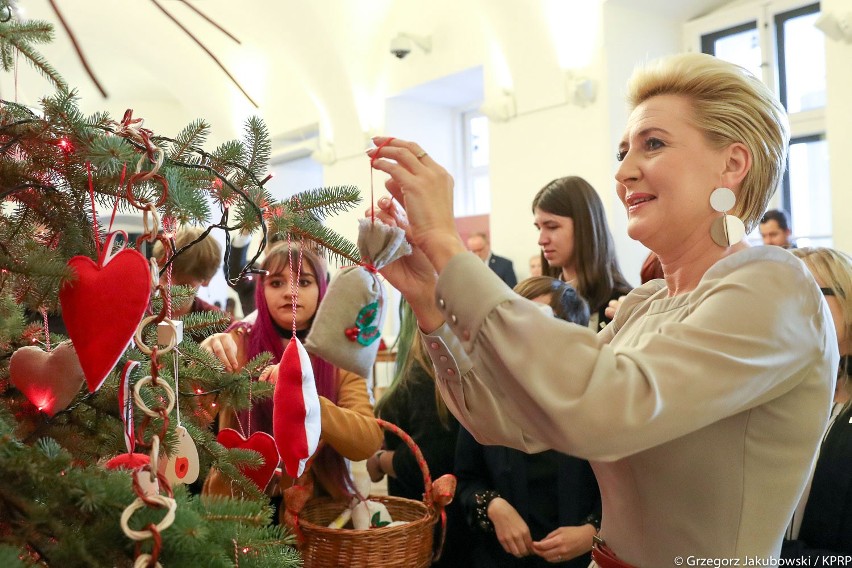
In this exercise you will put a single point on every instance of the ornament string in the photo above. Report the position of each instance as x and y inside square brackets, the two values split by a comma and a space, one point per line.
[115, 207]
[372, 161]
[96, 234]
[46, 330]
[294, 283]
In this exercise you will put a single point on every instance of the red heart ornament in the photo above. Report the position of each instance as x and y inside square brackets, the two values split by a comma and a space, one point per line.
[102, 307]
[49, 380]
[260, 442]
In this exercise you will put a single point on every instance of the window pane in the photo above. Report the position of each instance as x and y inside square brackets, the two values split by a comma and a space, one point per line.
[741, 47]
[804, 63]
[810, 195]
[481, 195]
[479, 141]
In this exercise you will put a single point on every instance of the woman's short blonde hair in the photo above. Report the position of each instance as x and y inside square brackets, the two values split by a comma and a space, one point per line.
[730, 105]
[834, 269]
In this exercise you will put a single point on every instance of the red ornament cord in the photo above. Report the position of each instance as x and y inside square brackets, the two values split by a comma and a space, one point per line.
[372, 160]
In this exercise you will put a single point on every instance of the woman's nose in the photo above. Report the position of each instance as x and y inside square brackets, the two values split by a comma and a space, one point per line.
[627, 170]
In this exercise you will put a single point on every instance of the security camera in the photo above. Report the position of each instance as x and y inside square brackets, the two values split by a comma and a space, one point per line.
[401, 46]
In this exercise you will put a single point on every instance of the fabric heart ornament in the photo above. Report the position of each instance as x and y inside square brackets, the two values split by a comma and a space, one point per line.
[260, 442]
[119, 282]
[349, 320]
[49, 379]
[296, 422]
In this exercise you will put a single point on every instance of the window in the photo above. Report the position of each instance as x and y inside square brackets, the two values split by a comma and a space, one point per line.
[474, 196]
[777, 41]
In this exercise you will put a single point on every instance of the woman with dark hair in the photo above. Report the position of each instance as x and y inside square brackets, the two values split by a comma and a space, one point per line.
[576, 245]
[349, 429]
[413, 403]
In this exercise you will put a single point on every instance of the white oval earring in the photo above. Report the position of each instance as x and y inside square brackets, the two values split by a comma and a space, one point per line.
[727, 230]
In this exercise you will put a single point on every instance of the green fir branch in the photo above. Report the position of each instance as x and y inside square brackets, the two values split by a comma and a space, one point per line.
[325, 201]
[21, 36]
[339, 249]
[193, 136]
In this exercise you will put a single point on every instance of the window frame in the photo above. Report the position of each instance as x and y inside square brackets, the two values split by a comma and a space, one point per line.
[769, 16]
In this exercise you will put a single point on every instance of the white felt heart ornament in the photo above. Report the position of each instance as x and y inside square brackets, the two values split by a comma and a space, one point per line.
[49, 379]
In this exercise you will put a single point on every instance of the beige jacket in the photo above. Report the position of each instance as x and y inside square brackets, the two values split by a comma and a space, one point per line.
[700, 413]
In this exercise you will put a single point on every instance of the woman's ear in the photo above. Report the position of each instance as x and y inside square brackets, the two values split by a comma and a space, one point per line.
[738, 162]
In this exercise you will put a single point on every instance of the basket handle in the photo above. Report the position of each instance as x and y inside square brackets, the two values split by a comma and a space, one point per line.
[418, 455]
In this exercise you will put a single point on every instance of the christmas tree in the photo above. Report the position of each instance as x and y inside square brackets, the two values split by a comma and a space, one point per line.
[61, 497]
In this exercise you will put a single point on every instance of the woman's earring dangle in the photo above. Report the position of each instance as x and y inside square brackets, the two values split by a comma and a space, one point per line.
[726, 230]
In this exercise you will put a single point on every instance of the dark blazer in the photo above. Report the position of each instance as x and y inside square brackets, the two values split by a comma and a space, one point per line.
[827, 522]
[504, 269]
[502, 469]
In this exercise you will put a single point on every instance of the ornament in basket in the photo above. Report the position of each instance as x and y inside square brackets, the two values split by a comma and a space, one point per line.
[409, 544]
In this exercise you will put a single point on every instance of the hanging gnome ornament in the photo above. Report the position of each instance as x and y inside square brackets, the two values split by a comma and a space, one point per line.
[348, 323]
[296, 420]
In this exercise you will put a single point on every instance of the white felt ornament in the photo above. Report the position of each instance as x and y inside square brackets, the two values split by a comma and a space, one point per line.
[49, 379]
[182, 466]
[346, 329]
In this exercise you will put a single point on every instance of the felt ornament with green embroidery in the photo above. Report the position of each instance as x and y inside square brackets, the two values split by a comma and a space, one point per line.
[349, 320]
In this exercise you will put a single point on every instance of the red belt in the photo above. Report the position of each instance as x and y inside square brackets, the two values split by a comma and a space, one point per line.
[605, 557]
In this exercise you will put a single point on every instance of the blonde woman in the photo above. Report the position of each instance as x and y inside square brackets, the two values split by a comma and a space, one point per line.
[822, 523]
[701, 406]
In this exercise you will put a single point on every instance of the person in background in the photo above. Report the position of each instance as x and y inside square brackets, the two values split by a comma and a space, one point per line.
[535, 265]
[530, 509]
[775, 229]
[822, 522]
[479, 245]
[194, 267]
[349, 429]
[413, 403]
[701, 406]
[576, 245]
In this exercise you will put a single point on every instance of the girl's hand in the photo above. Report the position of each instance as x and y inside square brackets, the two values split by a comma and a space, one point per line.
[613, 306]
[565, 543]
[512, 532]
[266, 375]
[223, 346]
[425, 190]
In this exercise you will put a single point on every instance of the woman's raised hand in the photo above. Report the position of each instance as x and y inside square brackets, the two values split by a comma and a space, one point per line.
[425, 191]
[413, 275]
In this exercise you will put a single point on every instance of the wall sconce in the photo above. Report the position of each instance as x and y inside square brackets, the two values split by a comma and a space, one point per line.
[500, 108]
[581, 91]
[324, 153]
[403, 43]
[834, 27]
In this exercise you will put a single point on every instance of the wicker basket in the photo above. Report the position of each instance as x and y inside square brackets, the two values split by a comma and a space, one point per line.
[409, 545]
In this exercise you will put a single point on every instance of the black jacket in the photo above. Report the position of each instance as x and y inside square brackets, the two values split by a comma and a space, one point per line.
[503, 469]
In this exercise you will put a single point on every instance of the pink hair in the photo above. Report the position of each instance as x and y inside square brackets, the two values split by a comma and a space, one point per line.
[263, 336]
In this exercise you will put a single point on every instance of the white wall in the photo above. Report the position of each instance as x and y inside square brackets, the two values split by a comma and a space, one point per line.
[839, 135]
